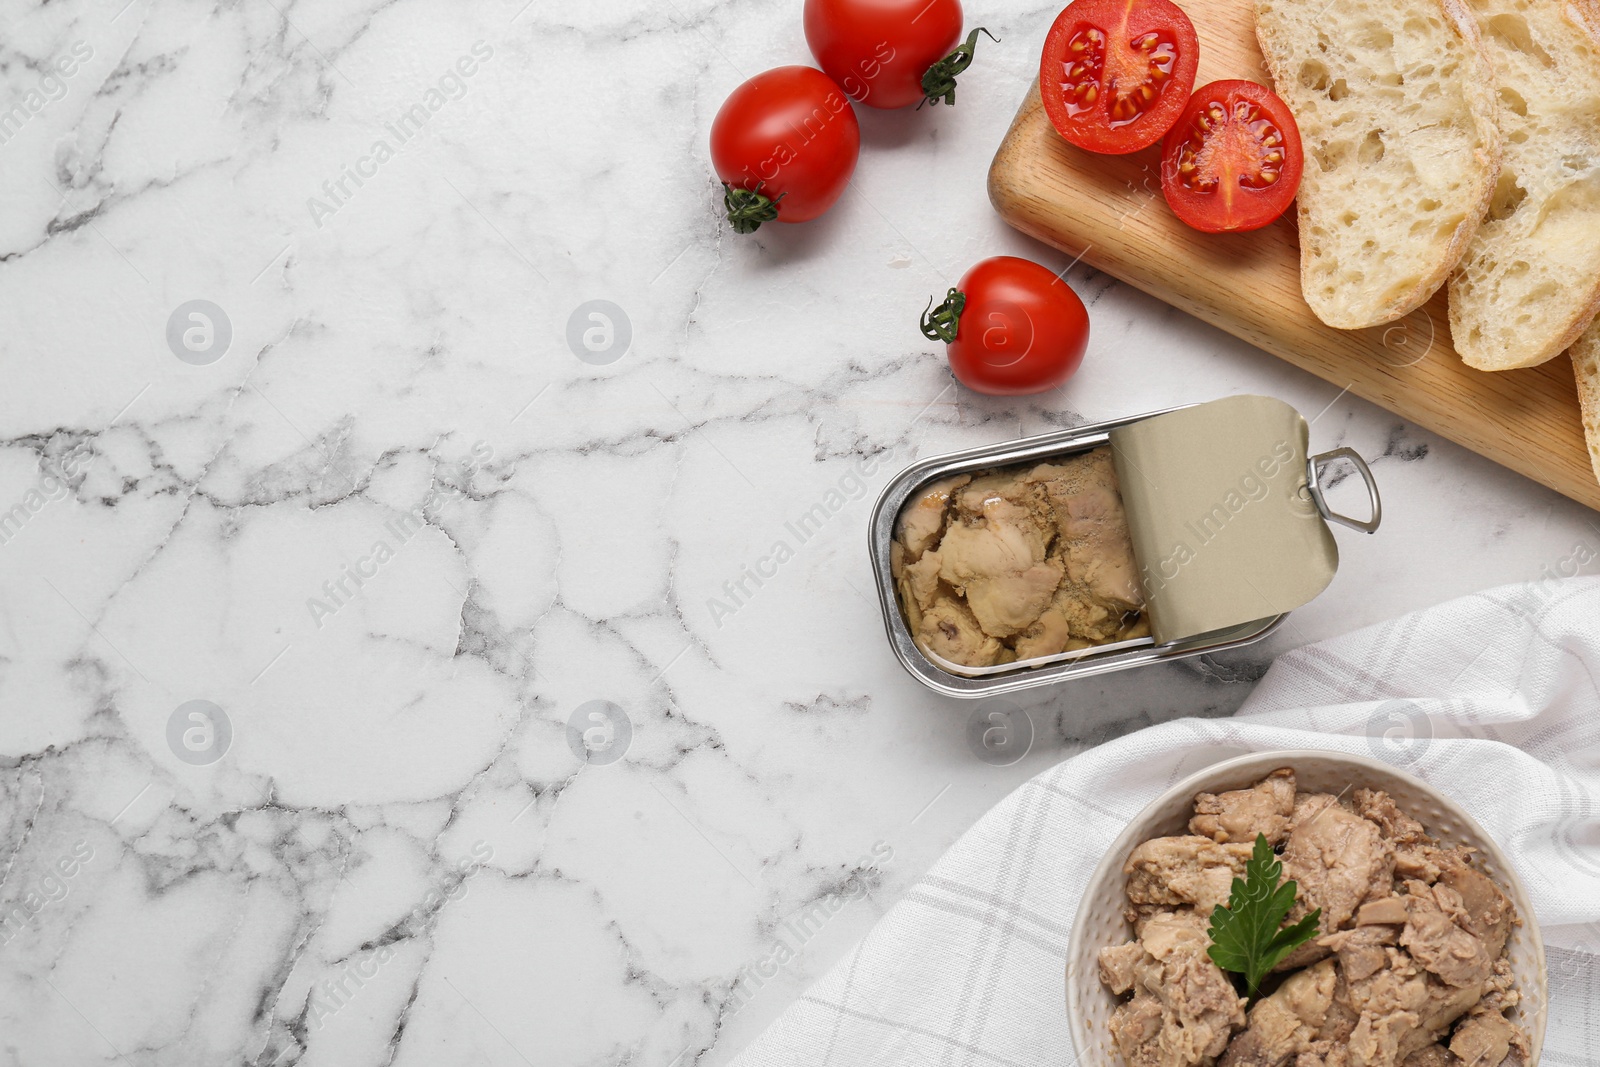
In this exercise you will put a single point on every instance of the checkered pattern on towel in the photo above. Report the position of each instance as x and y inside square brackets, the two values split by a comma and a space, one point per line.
[1494, 699]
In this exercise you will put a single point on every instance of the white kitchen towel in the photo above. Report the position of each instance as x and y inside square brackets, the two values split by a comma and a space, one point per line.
[1492, 699]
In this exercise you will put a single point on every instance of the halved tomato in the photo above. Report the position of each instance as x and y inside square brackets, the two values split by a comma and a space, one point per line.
[1233, 160]
[1116, 73]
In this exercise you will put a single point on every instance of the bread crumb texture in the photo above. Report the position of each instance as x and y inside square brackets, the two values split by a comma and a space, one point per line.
[1530, 281]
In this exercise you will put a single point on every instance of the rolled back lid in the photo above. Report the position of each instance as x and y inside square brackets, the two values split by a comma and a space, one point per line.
[1223, 522]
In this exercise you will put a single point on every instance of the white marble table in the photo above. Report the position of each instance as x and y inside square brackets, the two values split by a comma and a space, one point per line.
[395, 533]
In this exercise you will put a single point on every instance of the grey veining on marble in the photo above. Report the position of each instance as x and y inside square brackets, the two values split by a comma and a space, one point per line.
[395, 533]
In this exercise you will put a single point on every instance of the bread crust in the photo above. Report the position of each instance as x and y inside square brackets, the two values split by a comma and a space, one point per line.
[1585, 354]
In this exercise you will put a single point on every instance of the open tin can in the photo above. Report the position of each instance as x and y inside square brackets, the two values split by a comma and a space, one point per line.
[1225, 519]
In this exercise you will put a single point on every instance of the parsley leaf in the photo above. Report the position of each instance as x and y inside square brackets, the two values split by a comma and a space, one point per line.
[1245, 936]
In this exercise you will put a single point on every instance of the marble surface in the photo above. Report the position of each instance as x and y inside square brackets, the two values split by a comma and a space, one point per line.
[372, 511]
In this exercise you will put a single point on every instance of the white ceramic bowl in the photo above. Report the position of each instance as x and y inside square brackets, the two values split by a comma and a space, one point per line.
[1100, 923]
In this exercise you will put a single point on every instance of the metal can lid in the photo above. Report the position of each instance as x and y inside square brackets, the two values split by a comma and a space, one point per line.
[1225, 514]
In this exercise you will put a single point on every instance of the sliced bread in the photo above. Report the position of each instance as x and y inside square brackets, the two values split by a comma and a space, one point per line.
[1530, 281]
[1396, 112]
[1586, 363]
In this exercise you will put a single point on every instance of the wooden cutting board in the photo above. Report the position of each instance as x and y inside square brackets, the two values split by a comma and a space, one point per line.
[1109, 211]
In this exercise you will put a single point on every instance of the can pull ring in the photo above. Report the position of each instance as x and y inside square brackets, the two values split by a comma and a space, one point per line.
[1313, 467]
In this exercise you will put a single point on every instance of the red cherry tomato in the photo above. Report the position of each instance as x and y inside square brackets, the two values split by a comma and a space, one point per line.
[890, 53]
[1010, 327]
[1233, 161]
[1116, 73]
[784, 144]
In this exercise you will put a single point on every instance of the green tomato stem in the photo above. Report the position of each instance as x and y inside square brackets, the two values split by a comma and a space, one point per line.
[747, 209]
[939, 82]
[941, 323]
